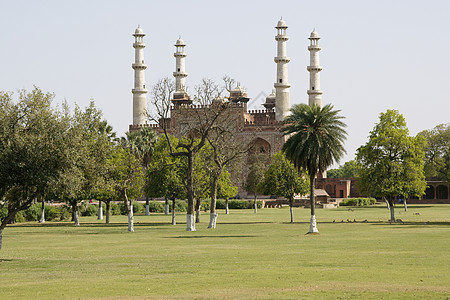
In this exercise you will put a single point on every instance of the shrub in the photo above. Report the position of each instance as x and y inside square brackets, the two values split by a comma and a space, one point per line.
[89, 210]
[33, 213]
[180, 206]
[156, 206]
[220, 204]
[64, 213]
[114, 209]
[52, 213]
[138, 207]
[358, 202]
[237, 204]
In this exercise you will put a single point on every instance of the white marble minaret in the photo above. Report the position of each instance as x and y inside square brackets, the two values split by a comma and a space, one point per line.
[314, 68]
[139, 91]
[180, 96]
[282, 84]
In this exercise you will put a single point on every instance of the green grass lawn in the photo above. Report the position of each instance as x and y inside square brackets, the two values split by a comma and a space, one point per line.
[248, 256]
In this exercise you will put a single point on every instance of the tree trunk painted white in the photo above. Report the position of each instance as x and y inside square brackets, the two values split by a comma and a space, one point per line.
[190, 222]
[392, 214]
[76, 219]
[227, 211]
[130, 218]
[212, 220]
[255, 205]
[166, 207]
[100, 211]
[174, 221]
[292, 213]
[42, 220]
[387, 204]
[406, 205]
[197, 216]
[147, 207]
[313, 225]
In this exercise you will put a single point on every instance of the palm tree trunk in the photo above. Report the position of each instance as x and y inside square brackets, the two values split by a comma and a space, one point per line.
[174, 222]
[147, 207]
[100, 211]
[108, 208]
[227, 211]
[313, 224]
[42, 220]
[291, 206]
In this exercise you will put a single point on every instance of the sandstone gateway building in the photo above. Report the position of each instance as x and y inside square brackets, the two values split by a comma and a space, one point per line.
[259, 128]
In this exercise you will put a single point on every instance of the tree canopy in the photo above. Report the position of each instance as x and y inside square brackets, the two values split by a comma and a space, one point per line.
[437, 151]
[391, 162]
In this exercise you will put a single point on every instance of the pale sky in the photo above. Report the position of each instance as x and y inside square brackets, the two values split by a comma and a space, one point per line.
[376, 55]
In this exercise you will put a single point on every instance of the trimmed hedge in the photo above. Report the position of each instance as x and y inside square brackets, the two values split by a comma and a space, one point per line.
[358, 202]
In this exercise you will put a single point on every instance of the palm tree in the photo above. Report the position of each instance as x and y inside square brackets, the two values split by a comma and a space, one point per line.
[316, 142]
[142, 143]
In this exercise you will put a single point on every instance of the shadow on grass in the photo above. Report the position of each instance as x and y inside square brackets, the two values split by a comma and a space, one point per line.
[111, 225]
[209, 236]
[411, 223]
[5, 259]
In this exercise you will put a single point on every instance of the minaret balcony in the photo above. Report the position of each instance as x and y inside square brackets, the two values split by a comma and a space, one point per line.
[314, 68]
[180, 74]
[282, 85]
[139, 66]
[138, 45]
[314, 48]
[139, 91]
[180, 54]
[314, 92]
[284, 59]
[281, 38]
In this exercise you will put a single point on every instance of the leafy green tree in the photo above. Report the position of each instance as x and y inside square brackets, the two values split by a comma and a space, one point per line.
[437, 152]
[33, 149]
[283, 180]
[164, 175]
[317, 141]
[391, 162]
[258, 166]
[226, 189]
[128, 178]
[88, 150]
[348, 170]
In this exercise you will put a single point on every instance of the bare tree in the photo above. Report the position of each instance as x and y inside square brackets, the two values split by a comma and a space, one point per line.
[201, 118]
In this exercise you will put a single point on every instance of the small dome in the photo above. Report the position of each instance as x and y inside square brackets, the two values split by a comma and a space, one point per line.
[271, 98]
[219, 100]
[180, 42]
[281, 23]
[238, 90]
[314, 34]
[139, 30]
